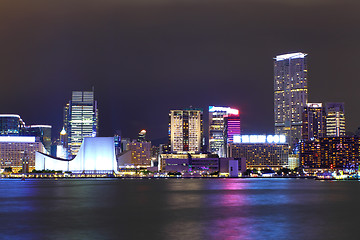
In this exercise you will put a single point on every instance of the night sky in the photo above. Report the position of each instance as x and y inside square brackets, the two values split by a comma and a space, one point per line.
[145, 57]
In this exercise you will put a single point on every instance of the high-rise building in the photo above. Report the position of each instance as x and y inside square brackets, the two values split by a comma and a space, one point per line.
[314, 122]
[290, 94]
[186, 130]
[11, 125]
[224, 123]
[335, 119]
[80, 119]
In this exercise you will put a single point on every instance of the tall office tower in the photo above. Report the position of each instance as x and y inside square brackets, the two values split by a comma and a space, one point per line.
[186, 130]
[11, 125]
[290, 94]
[80, 119]
[314, 122]
[335, 119]
[224, 122]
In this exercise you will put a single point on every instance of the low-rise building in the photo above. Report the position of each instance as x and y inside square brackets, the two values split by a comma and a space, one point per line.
[203, 165]
[140, 153]
[261, 151]
[331, 153]
[18, 152]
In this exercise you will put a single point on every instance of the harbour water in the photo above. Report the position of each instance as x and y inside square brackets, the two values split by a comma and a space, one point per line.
[179, 209]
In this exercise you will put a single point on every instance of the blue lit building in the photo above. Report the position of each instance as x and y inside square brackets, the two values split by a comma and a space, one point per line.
[11, 125]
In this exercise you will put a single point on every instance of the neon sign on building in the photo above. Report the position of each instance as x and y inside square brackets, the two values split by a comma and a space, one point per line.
[259, 139]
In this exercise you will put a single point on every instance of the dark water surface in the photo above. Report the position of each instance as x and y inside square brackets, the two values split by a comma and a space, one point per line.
[179, 209]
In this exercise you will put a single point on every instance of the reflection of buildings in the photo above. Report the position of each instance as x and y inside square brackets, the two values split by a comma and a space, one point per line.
[330, 152]
[335, 119]
[80, 119]
[314, 121]
[224, 123]
[186, 130]
[18, 153]
[290, 94]
[261, 151]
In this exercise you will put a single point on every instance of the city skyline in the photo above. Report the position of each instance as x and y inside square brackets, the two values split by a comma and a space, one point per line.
[143, 58]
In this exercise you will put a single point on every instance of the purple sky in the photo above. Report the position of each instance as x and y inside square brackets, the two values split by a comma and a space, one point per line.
[147, 57]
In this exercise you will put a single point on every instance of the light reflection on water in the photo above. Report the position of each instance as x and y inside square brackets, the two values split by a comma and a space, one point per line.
[178, 209]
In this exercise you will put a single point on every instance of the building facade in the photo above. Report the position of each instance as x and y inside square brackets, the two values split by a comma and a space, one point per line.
[80, 119]
[290, 94]
[186, 130]
[314, 122]
[96, 156]
[43, 132]
[11, 125]
[261, 151]
[18, 152]
[140, 153]
[203, 166]
[335, 119]
[330, 153]
[224, 123]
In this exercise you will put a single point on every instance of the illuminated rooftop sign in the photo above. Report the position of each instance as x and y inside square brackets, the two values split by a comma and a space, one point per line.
[314, 105]
[290, 56]
[259, 139]
[40, 126]
[228, 110]
[17, 139]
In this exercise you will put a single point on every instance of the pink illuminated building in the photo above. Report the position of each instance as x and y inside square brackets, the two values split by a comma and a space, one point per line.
[224, 123]
[232, 127]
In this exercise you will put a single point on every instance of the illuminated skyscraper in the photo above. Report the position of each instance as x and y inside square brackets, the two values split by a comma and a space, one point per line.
[80, 119]
[290, 94]
[314, 122]
[335, 119]
[224, 122]
[186, 130]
